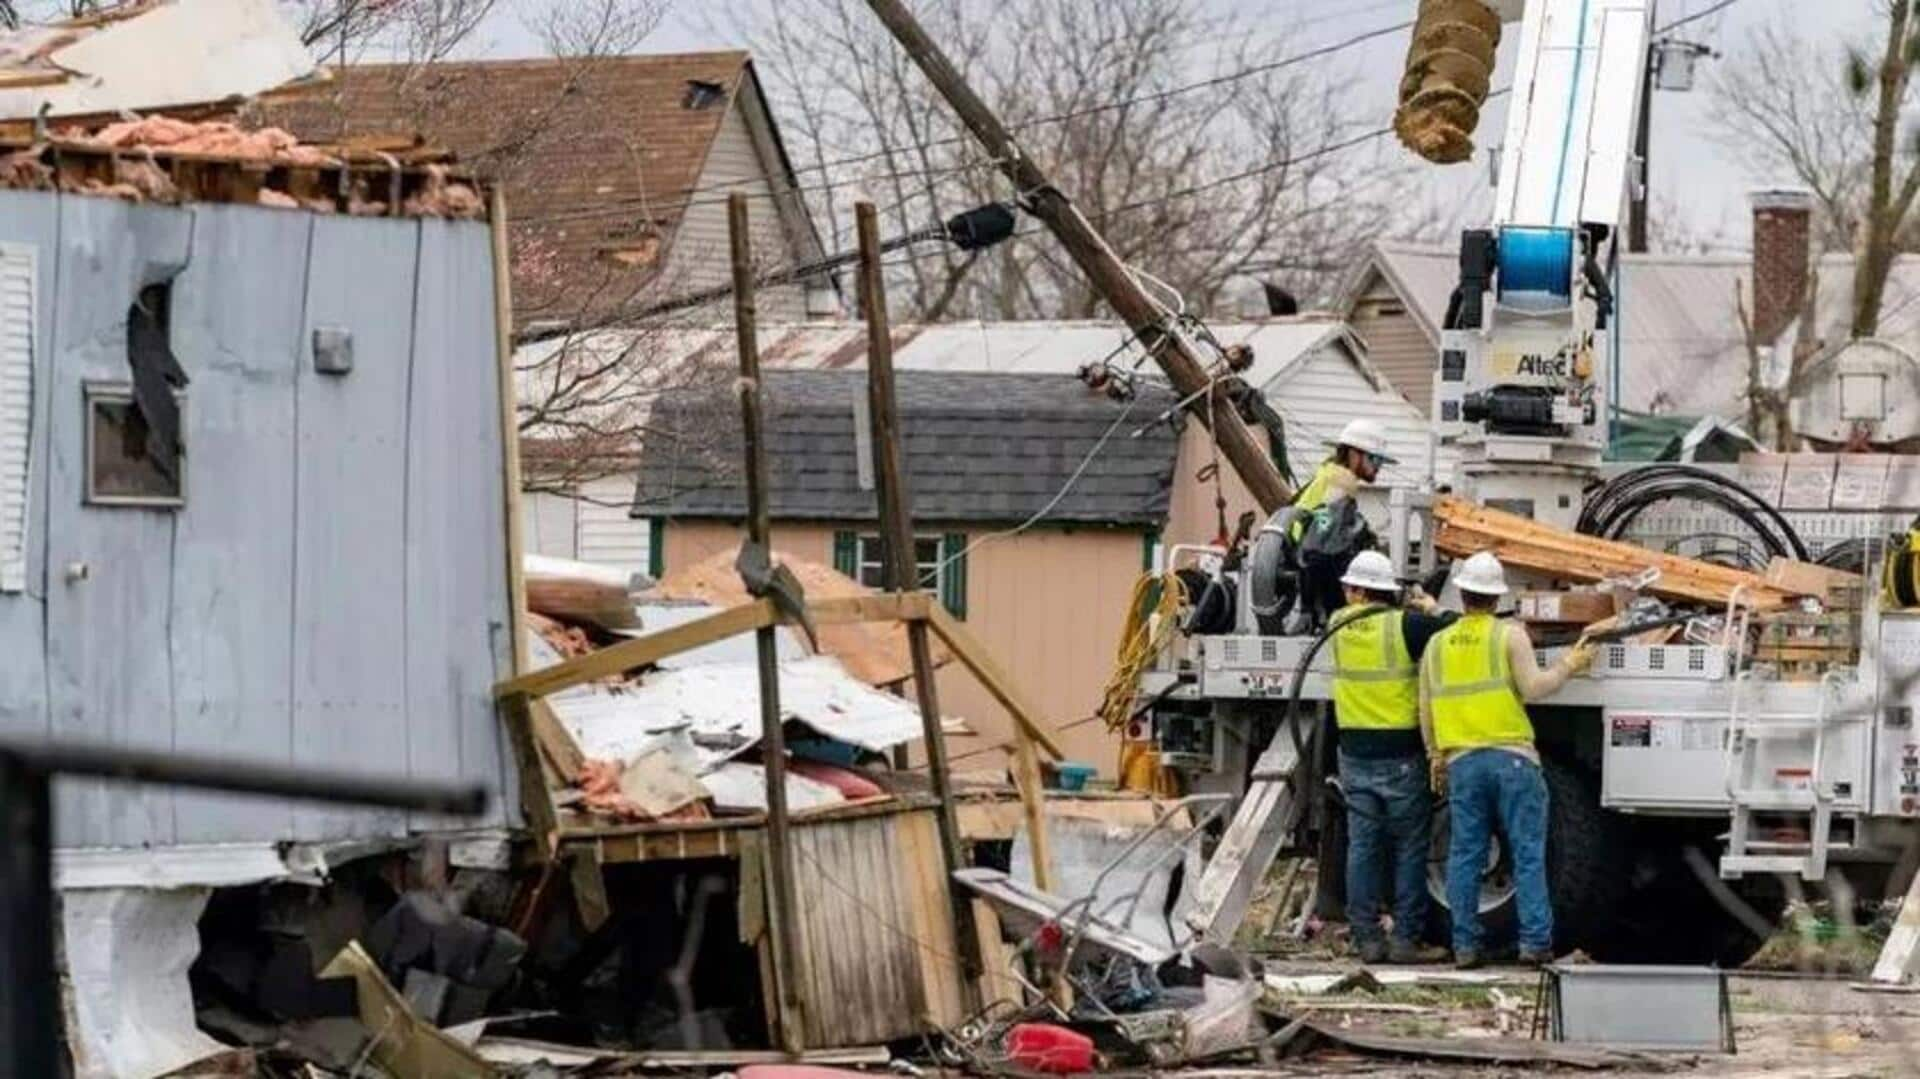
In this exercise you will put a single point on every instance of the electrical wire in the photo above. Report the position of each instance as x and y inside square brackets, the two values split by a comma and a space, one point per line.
[1696, 16]
[683, 200]
[1612, 507]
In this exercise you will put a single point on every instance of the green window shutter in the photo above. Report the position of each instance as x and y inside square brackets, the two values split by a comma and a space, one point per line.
[953, 586]
[1148, 541]
[656, 547]
[846, 554]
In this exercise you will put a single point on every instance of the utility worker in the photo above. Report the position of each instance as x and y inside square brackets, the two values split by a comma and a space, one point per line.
[1383, 771]
[1358, 454]
[1475, 680]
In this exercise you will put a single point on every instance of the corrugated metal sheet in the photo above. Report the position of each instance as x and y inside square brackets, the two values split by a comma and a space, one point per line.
[719, 705]
[357, 501]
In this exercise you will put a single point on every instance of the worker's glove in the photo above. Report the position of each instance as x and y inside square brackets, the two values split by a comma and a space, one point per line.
[1418, 599]
[1579, 657]
[1437, 775]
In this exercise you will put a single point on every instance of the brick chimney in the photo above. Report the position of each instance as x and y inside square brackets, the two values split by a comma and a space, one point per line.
[1782, 243]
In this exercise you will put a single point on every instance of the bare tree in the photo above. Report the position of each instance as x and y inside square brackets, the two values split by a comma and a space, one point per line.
[1184, 137]
[1770, 390]
[1782, 108]
[1895, 168]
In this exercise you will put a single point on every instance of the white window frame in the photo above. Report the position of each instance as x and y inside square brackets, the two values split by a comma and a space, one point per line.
[870, 552]
[104, 392]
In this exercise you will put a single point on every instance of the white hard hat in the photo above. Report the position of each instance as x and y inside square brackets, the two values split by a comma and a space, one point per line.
[1367, 436]
[1482, 575]
[1372, 571]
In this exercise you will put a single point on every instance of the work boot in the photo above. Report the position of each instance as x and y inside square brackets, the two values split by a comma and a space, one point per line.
[1371, 951]
[1536, 958]
[1410, 953]
[1467, 961]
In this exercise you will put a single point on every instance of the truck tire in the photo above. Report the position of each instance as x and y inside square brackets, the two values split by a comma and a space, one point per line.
[1586, 847]
[1669, 916]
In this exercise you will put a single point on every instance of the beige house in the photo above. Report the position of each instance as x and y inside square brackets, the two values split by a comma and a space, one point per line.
[1049, 601]
[985, 455]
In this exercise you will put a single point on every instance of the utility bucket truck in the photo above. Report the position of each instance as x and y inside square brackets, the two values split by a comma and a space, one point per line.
[1760, 740]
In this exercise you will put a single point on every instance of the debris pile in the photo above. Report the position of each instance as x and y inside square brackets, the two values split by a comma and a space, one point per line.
[679, 741]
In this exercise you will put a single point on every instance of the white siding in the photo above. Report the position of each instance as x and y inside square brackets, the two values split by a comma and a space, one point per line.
[1318, 395]
[700, 248]
[607, 535]
[547, 525]
[592, 528]
[17, 283]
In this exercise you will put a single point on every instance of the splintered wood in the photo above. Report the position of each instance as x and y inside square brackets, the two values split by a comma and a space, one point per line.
[1466, 528]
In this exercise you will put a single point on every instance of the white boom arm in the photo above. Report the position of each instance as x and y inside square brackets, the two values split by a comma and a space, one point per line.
[1526, 352]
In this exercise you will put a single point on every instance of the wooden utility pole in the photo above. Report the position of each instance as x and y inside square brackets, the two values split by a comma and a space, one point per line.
[773, 746]
[896, 532]
[1148, 319]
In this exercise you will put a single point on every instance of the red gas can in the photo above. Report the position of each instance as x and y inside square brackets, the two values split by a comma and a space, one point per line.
[1044, 1047]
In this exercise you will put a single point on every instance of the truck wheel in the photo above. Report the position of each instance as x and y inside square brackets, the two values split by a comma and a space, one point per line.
[1585, 845]
[1670, 916]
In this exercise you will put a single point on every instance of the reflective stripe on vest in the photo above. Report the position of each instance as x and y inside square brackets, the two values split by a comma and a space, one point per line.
[1375, 684]
[1470, 686]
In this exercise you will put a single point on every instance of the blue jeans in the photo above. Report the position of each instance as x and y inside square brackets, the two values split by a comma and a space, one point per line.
[1389, 825]
[1491, 788]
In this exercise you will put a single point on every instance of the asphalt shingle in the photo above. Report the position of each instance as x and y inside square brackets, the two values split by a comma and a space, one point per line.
[980, 448]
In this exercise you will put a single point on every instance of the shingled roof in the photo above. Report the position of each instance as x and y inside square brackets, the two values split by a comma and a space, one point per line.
[597, 157]
[990, 448]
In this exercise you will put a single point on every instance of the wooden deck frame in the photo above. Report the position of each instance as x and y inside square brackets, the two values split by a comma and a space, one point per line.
[545, 754]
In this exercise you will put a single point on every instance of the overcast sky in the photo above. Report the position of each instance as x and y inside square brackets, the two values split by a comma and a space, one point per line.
[1690, 171]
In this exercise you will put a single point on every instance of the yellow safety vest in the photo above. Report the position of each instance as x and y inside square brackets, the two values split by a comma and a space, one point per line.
[1375, 684]
[1315, 494]
[1470, 685]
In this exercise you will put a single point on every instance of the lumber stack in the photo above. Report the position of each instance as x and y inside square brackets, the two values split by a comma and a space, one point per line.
[1464, 528]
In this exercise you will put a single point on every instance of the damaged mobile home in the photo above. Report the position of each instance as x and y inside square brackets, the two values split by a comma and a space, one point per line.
[253, 506]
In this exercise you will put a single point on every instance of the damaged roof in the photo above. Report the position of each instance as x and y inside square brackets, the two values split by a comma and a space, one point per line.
[599, 157]
[980, 447]
[145, 56]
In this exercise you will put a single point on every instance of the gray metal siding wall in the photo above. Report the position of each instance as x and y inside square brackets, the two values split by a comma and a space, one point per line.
[333, 593]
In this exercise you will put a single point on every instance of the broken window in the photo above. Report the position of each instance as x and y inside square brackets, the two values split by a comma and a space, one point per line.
[121, 467]
[134, 445]
[702, 94]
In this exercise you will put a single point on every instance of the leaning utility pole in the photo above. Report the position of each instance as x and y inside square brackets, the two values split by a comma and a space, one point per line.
[1149, 320]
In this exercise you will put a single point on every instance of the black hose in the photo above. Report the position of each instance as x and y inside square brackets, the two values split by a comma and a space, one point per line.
[1612, 507]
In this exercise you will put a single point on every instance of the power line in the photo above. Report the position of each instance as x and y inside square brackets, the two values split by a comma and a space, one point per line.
[1696, 16]
[1091, 110]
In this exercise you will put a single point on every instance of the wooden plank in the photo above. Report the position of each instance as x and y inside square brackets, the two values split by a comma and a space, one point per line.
[1466, 528]
[1900, 955]
[975, 658]
[642, 651]
[509, 423]
[1026, 764]
[589, 886]
[536, 799]
[557, 746]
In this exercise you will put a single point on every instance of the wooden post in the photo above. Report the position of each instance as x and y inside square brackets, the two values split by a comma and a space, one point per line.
[896, 530]
[509, 424]
[1109, 276]
[773, 748]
